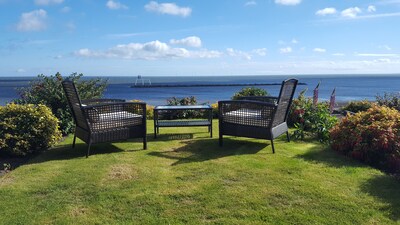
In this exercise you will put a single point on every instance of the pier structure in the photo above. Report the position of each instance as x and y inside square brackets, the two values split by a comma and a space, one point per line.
[141, 82]
[172, 85]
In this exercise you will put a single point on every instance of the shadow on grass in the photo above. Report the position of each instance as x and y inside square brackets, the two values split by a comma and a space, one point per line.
[200, 150]
[66, 152]
[325, 155]
[386, 189]
[171, 136]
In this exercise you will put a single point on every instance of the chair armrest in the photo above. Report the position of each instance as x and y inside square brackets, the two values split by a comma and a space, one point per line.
[100, 101]
[246, 112]
[94, 112]
[137, 107]
[271, 99]
[246, 104]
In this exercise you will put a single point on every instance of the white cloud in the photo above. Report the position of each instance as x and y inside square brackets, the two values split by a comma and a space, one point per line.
[379, 15]
[70, 26]
[48, 2]
[32, 21]
[351, 12]
[168, 8]
[377, 55]
[192, 41]
[66, 9]
[371, 8]
[320, 50]
[114, 5]
[326, 11]
[288, 2]
[250, 3]
[260, 51]
[146, 51]
[386, 47]
[237, 53]
[294, 41]
[285, 50]
[20, 70]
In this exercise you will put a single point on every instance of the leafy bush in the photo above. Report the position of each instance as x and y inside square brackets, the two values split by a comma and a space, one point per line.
[391, 100]
[185, 114]
[48, 90]
[182, 101]
[149, 111]
[215, 110]
[372, 137]
[250, 91]
[357, 106]
[26, 129]
[309, 120]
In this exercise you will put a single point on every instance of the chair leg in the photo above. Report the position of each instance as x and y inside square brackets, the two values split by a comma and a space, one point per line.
[272, 145]
[73, 143]
[144, 142]
[220, 140]
[88, 149]
[288, 136]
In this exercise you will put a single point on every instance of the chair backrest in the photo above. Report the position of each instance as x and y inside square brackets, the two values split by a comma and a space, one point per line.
[288, 89]
[75, 104]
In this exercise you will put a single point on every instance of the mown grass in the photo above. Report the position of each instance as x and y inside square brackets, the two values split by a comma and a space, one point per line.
[185, 177]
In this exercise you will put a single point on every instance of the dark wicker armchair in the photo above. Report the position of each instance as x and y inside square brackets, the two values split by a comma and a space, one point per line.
[105, 120]
[257, 117]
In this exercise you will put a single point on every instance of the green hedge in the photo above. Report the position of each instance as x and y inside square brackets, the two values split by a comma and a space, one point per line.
[26, 129]
[250, 91]
[357, 106]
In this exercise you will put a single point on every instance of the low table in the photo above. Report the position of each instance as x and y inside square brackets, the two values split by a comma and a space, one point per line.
[182, 122]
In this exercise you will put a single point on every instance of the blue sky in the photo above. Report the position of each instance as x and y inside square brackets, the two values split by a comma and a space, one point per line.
[203, 37]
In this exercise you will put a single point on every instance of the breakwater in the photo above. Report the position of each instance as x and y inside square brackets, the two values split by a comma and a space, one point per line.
[208, 85]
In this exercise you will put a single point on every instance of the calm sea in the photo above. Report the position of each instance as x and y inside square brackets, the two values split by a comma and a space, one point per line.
[348, 87]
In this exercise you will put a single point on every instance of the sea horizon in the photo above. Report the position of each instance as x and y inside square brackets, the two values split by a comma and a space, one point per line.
[349, 87]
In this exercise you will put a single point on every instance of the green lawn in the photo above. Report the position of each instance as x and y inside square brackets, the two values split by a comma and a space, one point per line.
[185, 177]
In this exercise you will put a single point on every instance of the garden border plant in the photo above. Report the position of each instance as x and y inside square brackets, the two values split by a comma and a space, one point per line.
[27, 129]
[310, 120]
[372, 137]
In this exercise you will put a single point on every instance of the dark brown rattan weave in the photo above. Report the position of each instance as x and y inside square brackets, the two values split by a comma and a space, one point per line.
[105, 120]
[257, 117]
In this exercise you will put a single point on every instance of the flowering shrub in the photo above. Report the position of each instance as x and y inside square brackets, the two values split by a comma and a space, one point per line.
[309, 120]
[372, 137]
[149, 109]
[215, 110]
[26, 129]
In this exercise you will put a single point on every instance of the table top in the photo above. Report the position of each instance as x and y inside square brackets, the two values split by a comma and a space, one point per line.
[181, 107]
